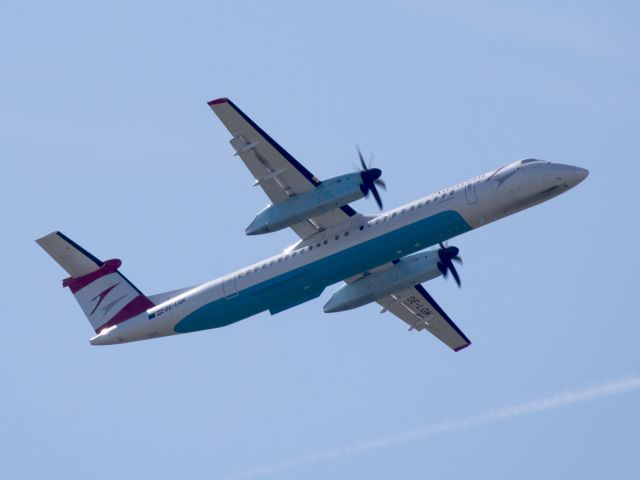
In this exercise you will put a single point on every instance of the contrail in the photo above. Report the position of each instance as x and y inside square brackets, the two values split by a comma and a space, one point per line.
[551, 402]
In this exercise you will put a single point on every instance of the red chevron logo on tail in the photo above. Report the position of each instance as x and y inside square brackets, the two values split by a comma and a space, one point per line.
[101, 296]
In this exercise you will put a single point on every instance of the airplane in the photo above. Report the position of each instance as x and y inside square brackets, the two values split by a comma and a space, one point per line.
[382, 258]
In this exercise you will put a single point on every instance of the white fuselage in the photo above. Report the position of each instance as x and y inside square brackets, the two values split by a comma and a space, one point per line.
[301, 272]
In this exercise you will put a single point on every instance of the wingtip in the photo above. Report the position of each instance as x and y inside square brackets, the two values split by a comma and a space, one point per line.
[461, 347]
[218, 101]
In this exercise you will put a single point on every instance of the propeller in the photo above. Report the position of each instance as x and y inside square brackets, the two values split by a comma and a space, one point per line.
[447, 256]
[371, 178]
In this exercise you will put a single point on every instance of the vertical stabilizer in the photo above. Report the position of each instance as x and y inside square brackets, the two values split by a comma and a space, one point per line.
[106, 297]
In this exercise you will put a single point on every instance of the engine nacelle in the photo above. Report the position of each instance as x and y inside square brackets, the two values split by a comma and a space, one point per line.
[409, 271]
[329, 195]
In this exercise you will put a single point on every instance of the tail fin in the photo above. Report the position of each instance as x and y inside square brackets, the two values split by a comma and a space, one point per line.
[106, 297]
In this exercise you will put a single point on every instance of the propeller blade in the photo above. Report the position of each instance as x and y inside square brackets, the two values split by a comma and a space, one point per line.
[454, 272]
[364, 165]
[370, 178]
[447, 256]
[376, 195]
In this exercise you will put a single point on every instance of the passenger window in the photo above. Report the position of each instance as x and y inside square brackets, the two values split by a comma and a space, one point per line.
[361, 227]
[337, 237]
[318, 244]
[325, 242]
[393, 214]
[346, 234]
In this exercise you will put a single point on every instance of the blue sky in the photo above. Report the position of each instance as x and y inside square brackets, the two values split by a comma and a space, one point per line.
[106, 136]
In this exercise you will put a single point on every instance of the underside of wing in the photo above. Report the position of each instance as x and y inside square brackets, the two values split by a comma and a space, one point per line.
[274, 169]
[421, 312]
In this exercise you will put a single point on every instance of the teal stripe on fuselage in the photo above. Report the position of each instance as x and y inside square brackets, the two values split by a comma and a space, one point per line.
[307, 282]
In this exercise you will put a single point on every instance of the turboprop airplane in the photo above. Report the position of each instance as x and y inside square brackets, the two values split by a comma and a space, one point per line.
[380, 258]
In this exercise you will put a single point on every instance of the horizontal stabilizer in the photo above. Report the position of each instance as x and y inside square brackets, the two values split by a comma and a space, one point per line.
[69, 255]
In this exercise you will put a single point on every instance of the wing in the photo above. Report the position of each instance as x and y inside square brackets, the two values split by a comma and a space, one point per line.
[420, 311]
[274, 169]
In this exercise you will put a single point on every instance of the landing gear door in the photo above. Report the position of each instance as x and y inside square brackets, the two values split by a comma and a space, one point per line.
[470, 193]
[229, 287]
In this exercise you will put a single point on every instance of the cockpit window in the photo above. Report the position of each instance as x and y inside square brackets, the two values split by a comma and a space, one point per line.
[529, 160]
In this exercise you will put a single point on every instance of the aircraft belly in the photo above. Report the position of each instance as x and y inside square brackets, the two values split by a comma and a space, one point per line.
[307, 282]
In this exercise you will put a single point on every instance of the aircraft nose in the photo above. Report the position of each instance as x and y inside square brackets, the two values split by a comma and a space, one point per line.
[579, 174]
[571, 176]
[582, 173]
